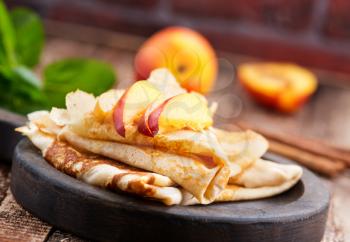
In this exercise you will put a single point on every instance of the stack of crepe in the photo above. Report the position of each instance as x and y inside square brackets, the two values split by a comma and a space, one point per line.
[179, 158]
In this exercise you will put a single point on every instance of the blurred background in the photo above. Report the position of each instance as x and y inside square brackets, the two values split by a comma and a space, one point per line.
[314, 34]
[311, 32]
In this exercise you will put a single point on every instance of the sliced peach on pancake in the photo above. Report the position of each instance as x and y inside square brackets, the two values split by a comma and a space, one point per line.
[132, 104]
[106, 102]
[143, 124]
[184, 111]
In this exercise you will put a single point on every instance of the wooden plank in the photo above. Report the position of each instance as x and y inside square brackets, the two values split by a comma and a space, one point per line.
[4, 180]
[341, 197]
[18, 225]
[334, 232]
[327, 115]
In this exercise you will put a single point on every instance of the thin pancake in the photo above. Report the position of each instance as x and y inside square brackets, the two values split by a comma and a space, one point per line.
[99, 171]
[242, 148]
[198, 174]
[204, 182]
[262, 179]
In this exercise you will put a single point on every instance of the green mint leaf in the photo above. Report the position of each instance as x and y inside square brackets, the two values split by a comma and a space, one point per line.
[21, 92]
[29, 32]
[69, 75]
[7, 37]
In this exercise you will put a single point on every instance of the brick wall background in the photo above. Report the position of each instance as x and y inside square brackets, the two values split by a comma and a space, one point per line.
[311, 32]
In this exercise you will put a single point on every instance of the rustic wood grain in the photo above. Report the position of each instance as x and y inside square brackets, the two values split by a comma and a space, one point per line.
[4, 180]
[19, 225]
[333, 232]
[340, 187]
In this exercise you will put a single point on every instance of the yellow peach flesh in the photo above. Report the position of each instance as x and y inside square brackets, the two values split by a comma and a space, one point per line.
[186, 110]
[282, 85]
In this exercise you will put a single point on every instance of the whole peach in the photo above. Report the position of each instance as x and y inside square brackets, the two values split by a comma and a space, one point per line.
[185, 52]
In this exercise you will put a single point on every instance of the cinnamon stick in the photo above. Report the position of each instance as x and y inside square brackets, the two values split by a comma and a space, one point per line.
[313, 146]
[316, 163]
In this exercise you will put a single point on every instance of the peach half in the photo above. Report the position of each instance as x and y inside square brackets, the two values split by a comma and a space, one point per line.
[281, 86]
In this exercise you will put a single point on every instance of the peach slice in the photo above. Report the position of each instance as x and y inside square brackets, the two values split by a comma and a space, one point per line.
[184, 111]
[132, 104]
[282, 86]
[143, 126]
[106, 102]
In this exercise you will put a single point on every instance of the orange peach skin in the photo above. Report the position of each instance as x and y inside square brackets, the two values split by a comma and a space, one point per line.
[186, 53]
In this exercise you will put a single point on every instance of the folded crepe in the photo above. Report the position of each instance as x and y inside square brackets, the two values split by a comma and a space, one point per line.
[261, 179]
[207, 165]
[103, 172]
[202, 178]
[242, 148]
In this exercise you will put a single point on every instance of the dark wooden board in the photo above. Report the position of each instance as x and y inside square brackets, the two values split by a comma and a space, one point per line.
[8, 136]
[297, 215]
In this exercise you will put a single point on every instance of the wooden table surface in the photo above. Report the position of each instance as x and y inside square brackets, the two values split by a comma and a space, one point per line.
[325, 117]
